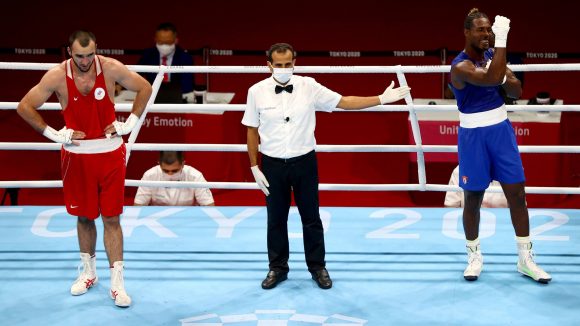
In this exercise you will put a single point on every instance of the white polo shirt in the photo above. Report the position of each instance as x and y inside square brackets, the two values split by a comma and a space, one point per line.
[173, 196]
[286, 121]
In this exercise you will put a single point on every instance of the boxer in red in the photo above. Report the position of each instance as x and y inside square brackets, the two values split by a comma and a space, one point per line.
[93, 152]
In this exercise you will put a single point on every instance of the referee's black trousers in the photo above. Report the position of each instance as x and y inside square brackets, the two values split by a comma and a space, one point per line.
[298, 174]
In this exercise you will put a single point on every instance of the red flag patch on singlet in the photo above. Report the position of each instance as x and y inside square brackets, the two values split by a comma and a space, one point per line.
[464, 179]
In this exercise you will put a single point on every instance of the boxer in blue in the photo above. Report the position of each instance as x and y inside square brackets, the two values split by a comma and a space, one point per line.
[487, 146]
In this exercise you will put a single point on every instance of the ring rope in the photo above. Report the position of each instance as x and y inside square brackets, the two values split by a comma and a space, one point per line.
[13, 146]
[302, 69]
[323, 186]
[194, 108]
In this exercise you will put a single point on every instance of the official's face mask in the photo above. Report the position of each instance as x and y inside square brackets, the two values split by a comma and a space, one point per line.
[177, 176]
[282, 75]
[165, 49]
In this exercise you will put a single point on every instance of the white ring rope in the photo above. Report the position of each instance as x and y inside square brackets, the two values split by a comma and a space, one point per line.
[192, 108]
[13, 146]
[302, 69]
[324, 186]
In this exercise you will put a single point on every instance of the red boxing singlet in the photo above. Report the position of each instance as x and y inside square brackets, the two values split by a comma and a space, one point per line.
[89, 113]
[93, 173]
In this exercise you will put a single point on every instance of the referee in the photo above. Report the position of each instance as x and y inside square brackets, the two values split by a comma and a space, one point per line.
[280, 116]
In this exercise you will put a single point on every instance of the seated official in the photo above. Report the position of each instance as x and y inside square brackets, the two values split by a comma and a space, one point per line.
[490, 199]
[176, 87]
[172, 168]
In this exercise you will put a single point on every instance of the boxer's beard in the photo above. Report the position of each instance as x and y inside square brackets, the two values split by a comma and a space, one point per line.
[84, 70]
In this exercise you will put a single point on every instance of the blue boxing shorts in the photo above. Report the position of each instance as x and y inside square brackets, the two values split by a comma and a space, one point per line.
[488, 153]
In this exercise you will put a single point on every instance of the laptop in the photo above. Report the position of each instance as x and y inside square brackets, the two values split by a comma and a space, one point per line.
[169, 93]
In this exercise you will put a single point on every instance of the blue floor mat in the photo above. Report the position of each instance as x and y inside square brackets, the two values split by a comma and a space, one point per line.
[204, 265]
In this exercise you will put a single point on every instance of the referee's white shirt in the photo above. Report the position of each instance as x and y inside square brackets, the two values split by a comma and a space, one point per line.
[286, 121]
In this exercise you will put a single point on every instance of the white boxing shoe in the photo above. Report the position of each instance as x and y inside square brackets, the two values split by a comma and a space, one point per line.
[87, 277]
[117, 292]
[527, 265]
[474, 263]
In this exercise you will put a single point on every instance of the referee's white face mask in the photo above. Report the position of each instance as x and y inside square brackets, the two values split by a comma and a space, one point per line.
[282, 75]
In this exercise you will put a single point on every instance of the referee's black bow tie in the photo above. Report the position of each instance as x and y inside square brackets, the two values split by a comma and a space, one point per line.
[287, 88]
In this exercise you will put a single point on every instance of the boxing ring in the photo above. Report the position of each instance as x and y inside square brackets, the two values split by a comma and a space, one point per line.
[203, 265]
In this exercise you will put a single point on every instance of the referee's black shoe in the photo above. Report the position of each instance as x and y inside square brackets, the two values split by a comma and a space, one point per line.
[273, 278]
[322, 278]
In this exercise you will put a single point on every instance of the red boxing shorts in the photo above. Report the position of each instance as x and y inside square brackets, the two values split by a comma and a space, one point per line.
[94, 184]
